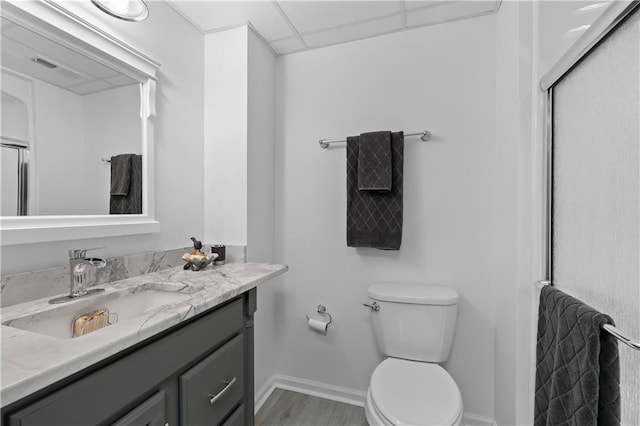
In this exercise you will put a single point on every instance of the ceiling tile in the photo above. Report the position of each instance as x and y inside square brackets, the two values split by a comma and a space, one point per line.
[287, 45]
[219, 15]
[449, 11]
[90, 87]
[120, 80]
[354, 32]
[311, 16]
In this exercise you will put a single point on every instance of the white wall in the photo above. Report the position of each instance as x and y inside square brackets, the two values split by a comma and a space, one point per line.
[239, 158]
[260, 197]
[15, 114]
[440, 78]
[260, 150]
[112, 126]
[57, 144]
[517, 255]
[180, 180]
[225, 140]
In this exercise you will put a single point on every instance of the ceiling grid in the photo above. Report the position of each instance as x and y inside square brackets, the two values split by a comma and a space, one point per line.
[292, 26]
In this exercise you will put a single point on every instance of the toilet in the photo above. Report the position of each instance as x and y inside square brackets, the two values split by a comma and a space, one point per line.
[414, 326]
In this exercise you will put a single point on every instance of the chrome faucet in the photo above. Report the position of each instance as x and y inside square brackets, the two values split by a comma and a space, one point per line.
[82, 271]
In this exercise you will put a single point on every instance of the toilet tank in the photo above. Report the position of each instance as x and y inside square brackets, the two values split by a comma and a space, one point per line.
[415, 321]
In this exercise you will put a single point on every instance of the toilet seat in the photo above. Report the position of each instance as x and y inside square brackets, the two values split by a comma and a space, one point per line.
[404, 392]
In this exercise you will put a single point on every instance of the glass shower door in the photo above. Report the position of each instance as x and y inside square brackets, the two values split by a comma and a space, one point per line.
[14, 169]
[595, 216]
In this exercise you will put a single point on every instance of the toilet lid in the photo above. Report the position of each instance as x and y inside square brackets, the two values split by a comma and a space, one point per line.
[415, 393]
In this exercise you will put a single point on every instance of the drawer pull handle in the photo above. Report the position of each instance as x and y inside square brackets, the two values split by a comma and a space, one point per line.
[224, 390]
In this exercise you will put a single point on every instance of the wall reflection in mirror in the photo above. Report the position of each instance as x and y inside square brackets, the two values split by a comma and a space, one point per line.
[67, 122]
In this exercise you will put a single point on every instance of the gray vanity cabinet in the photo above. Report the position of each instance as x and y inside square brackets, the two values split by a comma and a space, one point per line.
[197, 373]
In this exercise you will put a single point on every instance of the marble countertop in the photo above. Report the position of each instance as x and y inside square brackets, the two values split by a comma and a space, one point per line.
[31, 361]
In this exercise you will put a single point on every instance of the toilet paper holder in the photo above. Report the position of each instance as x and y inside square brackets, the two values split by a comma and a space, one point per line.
[322, 310]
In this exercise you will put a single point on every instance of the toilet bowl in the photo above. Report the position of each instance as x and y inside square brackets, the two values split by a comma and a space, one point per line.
[414, 326]
[404, 392]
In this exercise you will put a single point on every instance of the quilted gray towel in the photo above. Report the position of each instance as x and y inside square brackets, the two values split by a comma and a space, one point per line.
[374, 219]
[131, 203]
[374, 162]
[121, 174]
[577, 366]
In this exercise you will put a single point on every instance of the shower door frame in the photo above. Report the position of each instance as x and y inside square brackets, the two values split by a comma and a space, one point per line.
[611, 19]
[22, 147]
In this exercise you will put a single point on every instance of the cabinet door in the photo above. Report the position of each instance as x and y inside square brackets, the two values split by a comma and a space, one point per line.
[152, 412]
[214, 387]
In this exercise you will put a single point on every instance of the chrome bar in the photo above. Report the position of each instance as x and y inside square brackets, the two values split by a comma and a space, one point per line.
[614, 331]
[23, 182]
[548, 199]
[8, 142]
[425, 135]
[610, 18]
[618, 335]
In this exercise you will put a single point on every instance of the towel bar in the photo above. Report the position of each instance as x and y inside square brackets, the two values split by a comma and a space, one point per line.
[614, 331]
[618, 335]
[425, 135]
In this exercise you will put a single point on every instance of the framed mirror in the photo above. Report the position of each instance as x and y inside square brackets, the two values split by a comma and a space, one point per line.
[77, 129]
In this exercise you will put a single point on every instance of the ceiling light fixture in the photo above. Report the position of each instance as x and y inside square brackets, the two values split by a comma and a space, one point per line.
[128, 10]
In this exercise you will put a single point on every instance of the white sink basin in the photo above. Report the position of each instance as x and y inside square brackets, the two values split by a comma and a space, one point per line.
[57, 320]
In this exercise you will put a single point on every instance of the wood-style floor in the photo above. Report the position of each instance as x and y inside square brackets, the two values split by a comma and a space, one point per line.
[286, 408]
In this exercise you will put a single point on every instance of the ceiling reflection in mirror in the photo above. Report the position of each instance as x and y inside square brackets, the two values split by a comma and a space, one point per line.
[71, 131]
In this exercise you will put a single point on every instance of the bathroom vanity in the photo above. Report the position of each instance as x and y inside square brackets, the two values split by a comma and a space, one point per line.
[188, 362]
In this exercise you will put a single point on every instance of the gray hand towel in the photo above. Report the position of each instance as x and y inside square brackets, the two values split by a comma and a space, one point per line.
[374, 162]
[577, 365]
[131, 203]
[374, 219]
[121, 174]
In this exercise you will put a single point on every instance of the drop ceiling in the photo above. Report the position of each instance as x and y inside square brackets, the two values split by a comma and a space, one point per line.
[56, 64]
[293, 26]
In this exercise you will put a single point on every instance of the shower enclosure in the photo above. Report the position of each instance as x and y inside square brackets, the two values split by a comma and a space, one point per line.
[15, 177]
[593, 191]
[15, 148]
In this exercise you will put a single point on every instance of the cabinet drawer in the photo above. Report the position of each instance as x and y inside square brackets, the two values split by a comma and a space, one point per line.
[210, 389]
[152, 412]
[237, 418]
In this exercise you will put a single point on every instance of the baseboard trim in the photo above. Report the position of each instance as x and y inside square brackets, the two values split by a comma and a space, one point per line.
[308, 387]
[336, 393]
[470, 419]
[264, 393]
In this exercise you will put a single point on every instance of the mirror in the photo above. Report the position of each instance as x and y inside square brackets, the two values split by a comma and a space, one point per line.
[63, 117]
[76, 134]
